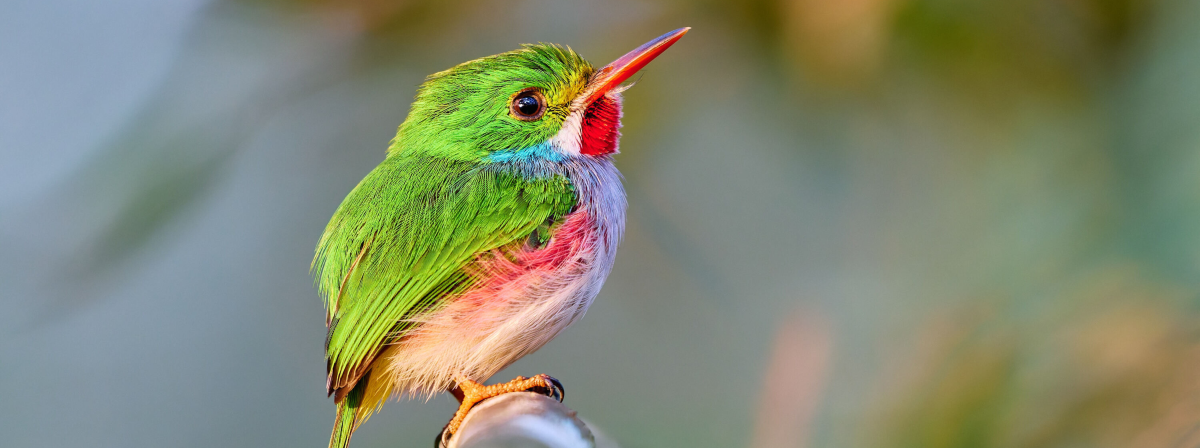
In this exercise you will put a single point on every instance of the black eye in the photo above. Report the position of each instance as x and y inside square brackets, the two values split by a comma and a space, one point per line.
[528, 105]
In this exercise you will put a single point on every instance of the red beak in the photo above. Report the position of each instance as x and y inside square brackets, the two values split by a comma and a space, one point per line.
[618, 71]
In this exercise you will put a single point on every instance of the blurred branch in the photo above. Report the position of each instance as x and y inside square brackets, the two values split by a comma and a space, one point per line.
[169, 156]
[796, 375]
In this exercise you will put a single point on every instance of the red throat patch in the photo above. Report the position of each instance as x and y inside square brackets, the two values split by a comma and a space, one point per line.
[601, 122]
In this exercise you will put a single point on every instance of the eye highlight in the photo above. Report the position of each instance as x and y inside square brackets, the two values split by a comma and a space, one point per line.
[528, 105]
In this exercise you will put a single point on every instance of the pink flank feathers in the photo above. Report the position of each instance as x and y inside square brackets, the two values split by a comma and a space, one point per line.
[505, 276]
[526, 299]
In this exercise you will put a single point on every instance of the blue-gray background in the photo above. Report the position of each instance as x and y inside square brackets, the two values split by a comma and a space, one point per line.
[858, 223]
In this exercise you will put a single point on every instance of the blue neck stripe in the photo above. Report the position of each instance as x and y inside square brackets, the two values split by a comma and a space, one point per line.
[542, 152]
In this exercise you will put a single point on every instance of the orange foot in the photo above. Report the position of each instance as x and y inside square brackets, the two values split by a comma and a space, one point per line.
[473, 393]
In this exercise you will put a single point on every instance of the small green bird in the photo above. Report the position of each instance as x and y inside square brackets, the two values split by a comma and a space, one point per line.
[488, 228]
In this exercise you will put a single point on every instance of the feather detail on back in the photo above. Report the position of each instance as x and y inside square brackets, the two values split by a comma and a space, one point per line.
[425, 219]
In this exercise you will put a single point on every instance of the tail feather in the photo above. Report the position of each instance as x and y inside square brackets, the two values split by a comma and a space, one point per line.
[347, 415]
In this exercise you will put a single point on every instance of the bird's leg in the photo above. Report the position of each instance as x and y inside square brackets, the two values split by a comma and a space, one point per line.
[457, 392]
[470, 393]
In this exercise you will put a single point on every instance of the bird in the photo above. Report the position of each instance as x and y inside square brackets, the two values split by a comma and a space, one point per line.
[488, 228]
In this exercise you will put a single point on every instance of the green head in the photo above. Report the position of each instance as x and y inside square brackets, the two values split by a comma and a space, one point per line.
[541, 101]
[478, 107]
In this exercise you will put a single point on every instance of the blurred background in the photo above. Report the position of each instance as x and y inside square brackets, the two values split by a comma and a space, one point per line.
[855, 223]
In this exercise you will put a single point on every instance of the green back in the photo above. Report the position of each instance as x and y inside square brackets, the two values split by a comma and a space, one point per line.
[400, 240]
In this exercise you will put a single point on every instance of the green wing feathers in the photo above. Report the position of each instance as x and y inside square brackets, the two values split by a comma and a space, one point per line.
[399, 242]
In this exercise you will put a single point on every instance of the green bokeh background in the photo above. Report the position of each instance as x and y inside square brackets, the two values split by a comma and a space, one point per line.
[876, 223]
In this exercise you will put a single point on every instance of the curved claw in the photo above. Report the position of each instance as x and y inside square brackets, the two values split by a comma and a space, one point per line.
[553, 390]
[559, 393]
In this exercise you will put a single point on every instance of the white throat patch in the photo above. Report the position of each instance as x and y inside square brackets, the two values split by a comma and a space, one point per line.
[568, 139]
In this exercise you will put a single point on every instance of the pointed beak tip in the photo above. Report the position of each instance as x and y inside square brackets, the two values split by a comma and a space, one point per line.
[665, 40]
[625, 66]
